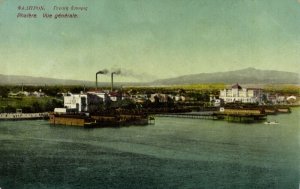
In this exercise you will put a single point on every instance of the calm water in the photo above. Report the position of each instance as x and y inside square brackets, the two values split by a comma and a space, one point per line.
[173, 153]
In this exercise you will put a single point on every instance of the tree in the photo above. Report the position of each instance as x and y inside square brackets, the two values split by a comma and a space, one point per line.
[127, 104]
[36, 107]
[10, 109]
[4, 92]
[53, 103]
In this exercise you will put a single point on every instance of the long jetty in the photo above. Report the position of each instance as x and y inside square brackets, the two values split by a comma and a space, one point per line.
[213, 115]
[23, 116]
[192, 115]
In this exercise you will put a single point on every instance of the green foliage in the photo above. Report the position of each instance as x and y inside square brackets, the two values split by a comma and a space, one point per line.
[175, 89]
[126, 104]
[7, 109]
[29, 104]
[199, 96]
[283, 89]
[4, 90]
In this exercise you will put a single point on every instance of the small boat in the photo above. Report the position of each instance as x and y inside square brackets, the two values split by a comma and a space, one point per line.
[271, 123]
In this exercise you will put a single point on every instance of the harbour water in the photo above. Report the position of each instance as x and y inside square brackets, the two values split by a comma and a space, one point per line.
[173, 153]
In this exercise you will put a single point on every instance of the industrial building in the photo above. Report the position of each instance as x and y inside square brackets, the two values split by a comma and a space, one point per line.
[83, 102]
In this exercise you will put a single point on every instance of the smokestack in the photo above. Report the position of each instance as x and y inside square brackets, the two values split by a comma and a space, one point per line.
[100, 72]
[96, 81]
[112, 79]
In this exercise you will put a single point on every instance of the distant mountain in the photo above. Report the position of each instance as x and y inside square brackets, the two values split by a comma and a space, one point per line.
[244, 76]
[28, 80]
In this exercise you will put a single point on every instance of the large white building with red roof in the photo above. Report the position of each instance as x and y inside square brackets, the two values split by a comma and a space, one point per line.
[238, 94]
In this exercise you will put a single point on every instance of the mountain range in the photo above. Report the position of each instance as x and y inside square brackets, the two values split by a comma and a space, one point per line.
[243, 76]
[29, 80]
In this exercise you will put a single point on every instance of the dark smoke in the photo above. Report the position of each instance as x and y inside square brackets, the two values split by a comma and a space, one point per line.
[118, 71]
[141, 76]
[105, 71]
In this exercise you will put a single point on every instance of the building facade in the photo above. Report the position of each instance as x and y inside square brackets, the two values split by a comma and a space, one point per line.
[85, 102]
[76, 101]
[238, 94]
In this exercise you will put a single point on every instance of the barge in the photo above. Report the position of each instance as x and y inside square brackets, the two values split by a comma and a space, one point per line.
[284, 110]
[272, 110]
[98, 120]
[245, 115]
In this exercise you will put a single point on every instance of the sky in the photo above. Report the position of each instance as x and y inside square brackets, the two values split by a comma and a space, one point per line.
[149, 39]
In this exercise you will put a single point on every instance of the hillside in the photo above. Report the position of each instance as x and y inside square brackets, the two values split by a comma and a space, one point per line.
[28, 80]
[244, 76]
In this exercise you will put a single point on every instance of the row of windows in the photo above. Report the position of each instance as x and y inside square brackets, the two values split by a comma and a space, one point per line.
[239, 99]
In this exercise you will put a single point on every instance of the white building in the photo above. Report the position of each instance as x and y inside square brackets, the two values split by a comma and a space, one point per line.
[104, 97]
[76, 101]
[81, 102]
[139, 98]
[38, 93]
[291, 99]
[215, 101]
[180, 98]
[159, 97]
[238, 94]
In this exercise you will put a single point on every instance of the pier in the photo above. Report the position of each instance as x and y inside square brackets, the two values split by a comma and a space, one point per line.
[228, 116]
[191, 115]
[23, 116]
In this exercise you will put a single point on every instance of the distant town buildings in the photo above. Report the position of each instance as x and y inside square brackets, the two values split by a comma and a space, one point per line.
[216, 102]
[93, 100]
[25, 93]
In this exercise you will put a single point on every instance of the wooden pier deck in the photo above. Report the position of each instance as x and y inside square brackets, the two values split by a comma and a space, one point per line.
[23, 116]
[192, 115]
[231, 117]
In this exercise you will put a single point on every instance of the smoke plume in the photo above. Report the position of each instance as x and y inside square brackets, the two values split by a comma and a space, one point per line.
[116, 71]
[141, 76]
[105, 71]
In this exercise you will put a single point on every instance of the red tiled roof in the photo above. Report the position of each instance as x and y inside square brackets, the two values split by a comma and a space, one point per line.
[236, 86]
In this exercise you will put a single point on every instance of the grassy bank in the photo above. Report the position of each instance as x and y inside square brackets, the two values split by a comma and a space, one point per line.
[29, 104]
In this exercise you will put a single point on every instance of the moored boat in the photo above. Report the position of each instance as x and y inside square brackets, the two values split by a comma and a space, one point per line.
[271, 123]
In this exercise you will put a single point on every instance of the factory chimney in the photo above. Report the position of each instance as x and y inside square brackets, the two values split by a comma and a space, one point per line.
[100, 72]
[112, 78]
[112, 81]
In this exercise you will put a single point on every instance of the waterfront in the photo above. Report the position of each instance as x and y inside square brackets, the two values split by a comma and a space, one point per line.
[173, 153]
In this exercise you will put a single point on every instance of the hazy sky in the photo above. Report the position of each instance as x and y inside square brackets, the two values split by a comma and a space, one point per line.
[150, 39]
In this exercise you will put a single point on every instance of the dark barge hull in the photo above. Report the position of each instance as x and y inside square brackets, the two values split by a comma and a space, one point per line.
[96, 121]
